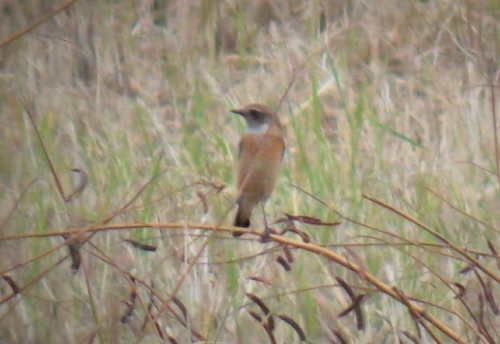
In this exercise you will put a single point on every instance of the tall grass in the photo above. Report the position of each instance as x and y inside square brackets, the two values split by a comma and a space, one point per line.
[389, 124]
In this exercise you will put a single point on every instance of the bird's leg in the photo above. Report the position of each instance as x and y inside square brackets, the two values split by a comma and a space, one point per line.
[267, 231]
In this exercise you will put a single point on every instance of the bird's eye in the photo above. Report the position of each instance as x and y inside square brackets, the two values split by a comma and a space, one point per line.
[254, 113]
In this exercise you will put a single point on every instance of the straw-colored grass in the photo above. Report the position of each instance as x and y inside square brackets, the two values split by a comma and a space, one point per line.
[390, 127]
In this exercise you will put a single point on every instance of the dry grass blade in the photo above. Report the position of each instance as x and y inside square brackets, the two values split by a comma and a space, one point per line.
[417, 315]
[172, 340]
[16, 203]
[264, 324]
[181, 306]
[294, 325]
[354, 306]
[259, 303]
[11, 283]
[86, 54]
[491, 67]
[177, 286]
[488, 293]
[151, 302]
[457, 209]
[130, 306]
[287, 89]
[76, 257]
[355, 303]
[33, 281]
[282, 261]
[293, 229]
[357, 259]
[466, 269]
[411, 337]
[76, 239]
[340, 337]
[437, 235]
[490, 298]
[141, 246]
[216, 186]
[494, 253]
[461, 290]
[36, 23]
[204, 201]
[288, 254]
[483, 329]
[261, 280]
[264, 309]
[84, 180]
[256, 316]
[346, 287]
[46, 154]
[311, 220]
[165, 303]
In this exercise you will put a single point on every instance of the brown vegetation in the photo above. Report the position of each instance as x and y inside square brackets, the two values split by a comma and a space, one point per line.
[118, 150]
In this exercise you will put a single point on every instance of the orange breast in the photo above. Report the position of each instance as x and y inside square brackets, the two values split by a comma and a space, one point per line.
[259, 165]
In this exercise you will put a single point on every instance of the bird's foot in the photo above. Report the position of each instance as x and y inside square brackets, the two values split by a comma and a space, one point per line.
[266, 235]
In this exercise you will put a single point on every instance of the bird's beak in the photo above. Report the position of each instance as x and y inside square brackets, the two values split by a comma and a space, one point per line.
[238, 111]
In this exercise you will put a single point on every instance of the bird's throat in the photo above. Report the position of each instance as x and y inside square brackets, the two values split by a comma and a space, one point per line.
[258, 128]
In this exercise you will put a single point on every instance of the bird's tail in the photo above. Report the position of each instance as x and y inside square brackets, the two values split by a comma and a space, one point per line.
[242, 219]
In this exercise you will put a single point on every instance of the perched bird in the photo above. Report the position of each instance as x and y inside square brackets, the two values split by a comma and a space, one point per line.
[260, 153]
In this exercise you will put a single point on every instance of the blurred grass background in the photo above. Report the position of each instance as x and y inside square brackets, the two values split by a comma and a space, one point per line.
[391, 99]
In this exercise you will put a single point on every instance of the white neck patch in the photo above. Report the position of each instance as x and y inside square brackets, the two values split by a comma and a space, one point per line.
[258, 128]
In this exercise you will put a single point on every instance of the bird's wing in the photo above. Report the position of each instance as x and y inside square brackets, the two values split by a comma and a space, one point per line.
[248, 150]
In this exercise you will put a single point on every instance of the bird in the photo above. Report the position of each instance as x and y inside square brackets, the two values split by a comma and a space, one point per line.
[261, 150]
